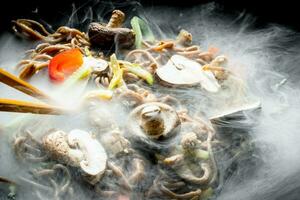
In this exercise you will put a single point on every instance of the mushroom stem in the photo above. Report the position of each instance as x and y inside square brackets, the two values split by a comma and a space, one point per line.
[116, 20]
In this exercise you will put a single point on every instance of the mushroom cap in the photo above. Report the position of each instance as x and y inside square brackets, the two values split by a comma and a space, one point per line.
[57, 145]
[157, 113]
[106, 37]
[181, 71]
[95, 160]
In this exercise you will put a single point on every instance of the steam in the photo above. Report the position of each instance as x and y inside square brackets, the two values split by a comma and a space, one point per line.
[267, 59]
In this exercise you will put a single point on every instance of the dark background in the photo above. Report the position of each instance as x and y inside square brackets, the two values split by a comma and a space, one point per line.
[283, 12]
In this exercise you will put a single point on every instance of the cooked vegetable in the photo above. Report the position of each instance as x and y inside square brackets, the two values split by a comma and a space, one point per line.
[116, 20]
[81, 73]
[181, 71]
[106, 37]
[217, 66]
[89, 63]
[154, 120]
[117, 79]
[184, 38]
[142, 31]
[99, 94]
[95, 157]
[64, 64]
[80, 149]
[139, 71]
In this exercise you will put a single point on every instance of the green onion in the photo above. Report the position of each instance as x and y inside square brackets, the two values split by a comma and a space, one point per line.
[81, 73]
[139, 71]
[142, 31]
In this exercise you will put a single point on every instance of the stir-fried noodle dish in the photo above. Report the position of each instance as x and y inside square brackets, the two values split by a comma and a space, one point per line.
[119, 110]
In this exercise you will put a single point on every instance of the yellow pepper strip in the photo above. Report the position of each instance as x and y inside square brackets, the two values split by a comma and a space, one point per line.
[87, 52]
[117, 78]
[138, 70]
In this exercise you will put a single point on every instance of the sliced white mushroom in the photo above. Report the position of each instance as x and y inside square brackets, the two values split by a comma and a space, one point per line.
[181, 71]
[95, 160]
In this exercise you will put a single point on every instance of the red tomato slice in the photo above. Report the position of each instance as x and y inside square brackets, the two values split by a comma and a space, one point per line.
[63, 64]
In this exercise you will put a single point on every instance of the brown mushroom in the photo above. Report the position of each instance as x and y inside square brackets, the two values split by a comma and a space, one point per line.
[154, 120]
[182, 72]
[184, 38]
[106, 36]
[79, 149]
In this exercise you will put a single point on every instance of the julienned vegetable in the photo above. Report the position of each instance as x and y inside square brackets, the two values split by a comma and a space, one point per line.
[139, 71]
[82, 72]
[64, 64]
[101, 94]
[142, 31]
[117, 79]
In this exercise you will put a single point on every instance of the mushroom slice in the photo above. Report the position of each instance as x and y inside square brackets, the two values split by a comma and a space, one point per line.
[181, 71]
[154, 120]
[95, 160]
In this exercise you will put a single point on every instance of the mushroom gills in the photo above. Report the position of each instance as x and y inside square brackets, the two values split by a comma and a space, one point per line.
[154, 120]
[95, 160]
[181, 71]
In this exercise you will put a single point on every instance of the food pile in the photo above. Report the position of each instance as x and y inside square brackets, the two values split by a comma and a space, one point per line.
[163, 151]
